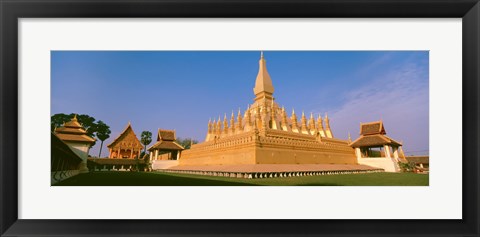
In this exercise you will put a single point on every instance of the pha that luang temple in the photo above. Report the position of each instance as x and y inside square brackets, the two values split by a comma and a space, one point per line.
[266, 134]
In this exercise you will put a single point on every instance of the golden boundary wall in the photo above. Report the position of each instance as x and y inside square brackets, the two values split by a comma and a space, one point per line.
[269, 147]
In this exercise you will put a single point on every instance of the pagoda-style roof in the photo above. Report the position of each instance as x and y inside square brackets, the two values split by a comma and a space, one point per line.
[374, 141]
[166, 145]
[166, 141]
[373, 135]
[72, 131]
[372, 128]
[166, 135]
[127, 138]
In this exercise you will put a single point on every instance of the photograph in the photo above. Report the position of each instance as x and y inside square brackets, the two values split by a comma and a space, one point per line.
[239, 118]
[251, 118]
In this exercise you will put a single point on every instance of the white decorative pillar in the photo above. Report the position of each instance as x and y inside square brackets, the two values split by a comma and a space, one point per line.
[387, 151]
[178, 155]
[358, 152]
[395, 152]
[131, 153]
[156, 154]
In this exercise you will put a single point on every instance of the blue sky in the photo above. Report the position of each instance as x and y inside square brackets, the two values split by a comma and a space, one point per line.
[181, 90]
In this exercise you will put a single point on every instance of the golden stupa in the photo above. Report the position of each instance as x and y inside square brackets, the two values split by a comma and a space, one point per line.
[264, 134]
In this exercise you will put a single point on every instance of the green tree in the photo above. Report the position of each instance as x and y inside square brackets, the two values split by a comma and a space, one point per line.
[187, 142]
[87, 122]
[102, 133]
[58, 120]
[146, 138]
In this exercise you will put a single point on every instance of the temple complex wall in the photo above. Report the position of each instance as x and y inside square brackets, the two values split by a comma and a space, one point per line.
[163, 164]
[388, 164]
[250, 148]
[294, 156]
[219, 157]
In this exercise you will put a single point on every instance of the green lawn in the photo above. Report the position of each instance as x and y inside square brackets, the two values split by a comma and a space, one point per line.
[169, 179]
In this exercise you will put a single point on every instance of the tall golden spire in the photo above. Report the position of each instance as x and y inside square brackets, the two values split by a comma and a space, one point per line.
[232, 123]
[225, 124]
[239, 127]
[303, 126]
[294, 121]
[263, 83]
[311, 124]
[328, 131]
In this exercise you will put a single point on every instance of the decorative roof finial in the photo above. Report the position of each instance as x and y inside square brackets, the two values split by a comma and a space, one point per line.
[261, 54]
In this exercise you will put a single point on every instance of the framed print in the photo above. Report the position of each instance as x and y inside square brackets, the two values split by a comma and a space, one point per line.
[128, 89]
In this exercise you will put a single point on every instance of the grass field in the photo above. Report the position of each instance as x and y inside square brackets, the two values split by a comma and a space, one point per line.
[169, 179]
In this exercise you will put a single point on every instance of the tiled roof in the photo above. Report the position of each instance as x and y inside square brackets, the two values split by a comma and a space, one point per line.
[70, 130]
[373, 140]
[73, 123]
[75, 137]
[166, 135]
[73, 131]
[166, 145]
[372, 128]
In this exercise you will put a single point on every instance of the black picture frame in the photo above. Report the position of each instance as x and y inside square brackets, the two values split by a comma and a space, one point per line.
[11, 11]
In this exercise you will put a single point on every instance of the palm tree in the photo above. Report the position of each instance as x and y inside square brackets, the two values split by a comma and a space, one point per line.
[146, 139]
[103, 133]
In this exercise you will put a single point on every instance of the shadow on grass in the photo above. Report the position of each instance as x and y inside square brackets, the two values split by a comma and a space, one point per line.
[320, 184]
[142, 179]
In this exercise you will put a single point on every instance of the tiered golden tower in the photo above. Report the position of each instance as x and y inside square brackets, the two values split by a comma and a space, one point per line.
[266, 135]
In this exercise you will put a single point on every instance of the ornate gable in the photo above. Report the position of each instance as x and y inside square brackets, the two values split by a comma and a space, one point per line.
[127, 138]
